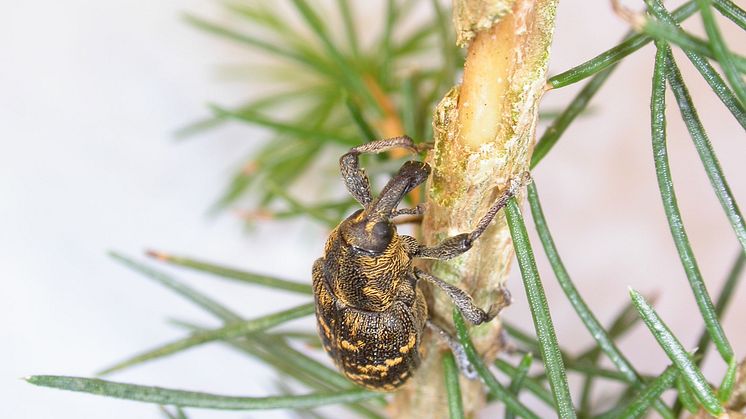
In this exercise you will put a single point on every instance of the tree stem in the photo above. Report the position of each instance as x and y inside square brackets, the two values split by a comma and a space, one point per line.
[484, 133]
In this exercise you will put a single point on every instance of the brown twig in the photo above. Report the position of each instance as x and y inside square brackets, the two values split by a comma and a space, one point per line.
[484, 133]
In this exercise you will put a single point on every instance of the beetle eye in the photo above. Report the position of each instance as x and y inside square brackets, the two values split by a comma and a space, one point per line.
[379, 237]
[382, 230]
[367, 235]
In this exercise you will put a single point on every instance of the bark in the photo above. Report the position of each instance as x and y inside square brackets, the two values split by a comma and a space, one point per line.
[484, 133]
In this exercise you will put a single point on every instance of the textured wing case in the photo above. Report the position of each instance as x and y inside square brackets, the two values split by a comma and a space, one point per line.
[378, 350]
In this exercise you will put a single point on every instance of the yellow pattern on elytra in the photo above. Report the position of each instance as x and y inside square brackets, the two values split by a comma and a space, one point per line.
[358, 377]
[392, 362]
[372, 368]
[410, 344]
[350, 347]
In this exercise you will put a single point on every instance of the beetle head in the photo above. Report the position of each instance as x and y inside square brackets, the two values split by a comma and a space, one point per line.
[371, 229]
[371, 235]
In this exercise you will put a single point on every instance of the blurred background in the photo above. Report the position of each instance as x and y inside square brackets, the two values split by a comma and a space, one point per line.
[92, 93]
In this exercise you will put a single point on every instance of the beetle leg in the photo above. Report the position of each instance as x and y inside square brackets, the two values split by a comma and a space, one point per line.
[463, 301]
[459, 244]
[354, 176]
[459, 353]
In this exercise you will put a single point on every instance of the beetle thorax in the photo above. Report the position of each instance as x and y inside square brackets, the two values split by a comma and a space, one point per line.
[364, 280]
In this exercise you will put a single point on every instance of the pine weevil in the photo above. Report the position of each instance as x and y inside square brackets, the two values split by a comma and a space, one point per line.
[370, 313]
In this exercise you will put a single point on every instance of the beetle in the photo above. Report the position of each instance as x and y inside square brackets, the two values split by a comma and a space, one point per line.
[370, 313]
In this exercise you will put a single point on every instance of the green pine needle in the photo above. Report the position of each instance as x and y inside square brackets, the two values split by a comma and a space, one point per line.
[729, 62]
[669, 33]
[518, 379]
[670, 206]
[678, 355]
[179, 413]
[685, 396]
[232, 273]
[350, 75]
[348, 19]
[497, 390]
[529, 383]
[730, 10]
[613, 55]
[729, 381]
[453, 388]
[366, 131]
[242, 38]
[183, 398]
[292, 363]
[537, 300]
[704, 67]
[704, 149]
[207, 303]
[596, 330]
[650, 393]
[724, 297]
[296, 130]
[269, 350]
[230, 331]
[622, 323]
[576, 107]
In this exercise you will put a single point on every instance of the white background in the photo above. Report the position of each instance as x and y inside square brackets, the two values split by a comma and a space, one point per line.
[90, 94]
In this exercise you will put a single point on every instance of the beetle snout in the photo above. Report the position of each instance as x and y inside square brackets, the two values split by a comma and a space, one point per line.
[411, 174]
[415, 171]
